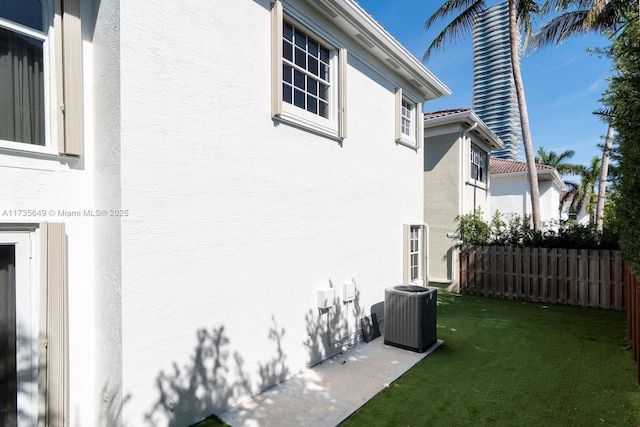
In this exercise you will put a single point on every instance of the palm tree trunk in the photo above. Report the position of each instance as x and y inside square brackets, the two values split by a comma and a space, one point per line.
[602, 188]
[524, 117]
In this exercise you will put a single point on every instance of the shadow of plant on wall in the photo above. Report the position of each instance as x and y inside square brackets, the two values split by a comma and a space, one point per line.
[202, 387]
[330, 331]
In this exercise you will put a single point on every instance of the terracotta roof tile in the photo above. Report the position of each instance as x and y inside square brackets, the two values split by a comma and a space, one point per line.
[499, 166]
[444, 113]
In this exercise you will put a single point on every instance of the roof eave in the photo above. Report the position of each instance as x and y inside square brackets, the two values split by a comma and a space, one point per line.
[483, 131]
[356, 22]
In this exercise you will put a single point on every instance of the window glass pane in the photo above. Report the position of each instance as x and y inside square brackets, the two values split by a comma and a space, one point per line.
[300, 39]
[312, 86]
[324, 71]
[287, 71]
[21, 88]
[25, 12]
[313, 66]
[323, 92]
[324, 54]
[298, 98]
[314, 47]
[312, 104]
[301, 58]
[323, 109]
[287, 93]
[287, 31]
[287, 50]
[298, 79]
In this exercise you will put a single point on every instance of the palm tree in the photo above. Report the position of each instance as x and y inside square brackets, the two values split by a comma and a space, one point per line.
[604, 16]
[582, 16]
[602, 187]
[557, 161]
[583, 194]
[521, 13]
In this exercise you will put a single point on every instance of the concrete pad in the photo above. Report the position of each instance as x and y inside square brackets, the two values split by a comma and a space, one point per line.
[328, 393]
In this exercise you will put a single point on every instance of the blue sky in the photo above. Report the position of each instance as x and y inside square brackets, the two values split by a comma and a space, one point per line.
[563, 84]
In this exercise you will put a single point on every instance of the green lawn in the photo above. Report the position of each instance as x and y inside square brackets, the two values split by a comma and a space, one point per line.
[515, 364]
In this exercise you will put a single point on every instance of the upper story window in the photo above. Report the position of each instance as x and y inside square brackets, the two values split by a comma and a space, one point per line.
[41, 95]
[478, 164]
[308, 75]
[306, 71]
[409, 129]
[407, 116]
[22, 72]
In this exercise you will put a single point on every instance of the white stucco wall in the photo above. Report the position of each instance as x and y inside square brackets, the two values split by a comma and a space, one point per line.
[236, 220]
[510, 195]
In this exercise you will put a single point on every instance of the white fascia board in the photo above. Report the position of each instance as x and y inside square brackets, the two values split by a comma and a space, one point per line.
[555, 176]
[357, 23]
[468, 118]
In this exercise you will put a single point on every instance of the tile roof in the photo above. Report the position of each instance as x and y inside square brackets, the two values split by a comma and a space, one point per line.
[499, 166]
[444, 113]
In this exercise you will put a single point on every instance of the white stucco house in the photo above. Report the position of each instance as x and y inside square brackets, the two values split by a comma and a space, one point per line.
[200, 199]
[510, 192]
[581, 217]
[456, 182]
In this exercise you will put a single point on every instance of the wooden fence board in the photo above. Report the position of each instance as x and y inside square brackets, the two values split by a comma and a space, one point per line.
[508, 254]
[592, 279]
[573, 276]
[562, 278]
[544, 273]
[605, 280]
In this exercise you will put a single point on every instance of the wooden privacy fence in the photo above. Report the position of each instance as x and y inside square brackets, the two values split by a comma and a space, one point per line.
[632, 298]
[582, 277]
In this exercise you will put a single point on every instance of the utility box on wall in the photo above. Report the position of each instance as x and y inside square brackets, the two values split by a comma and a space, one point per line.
[325, 298]
[348, 292]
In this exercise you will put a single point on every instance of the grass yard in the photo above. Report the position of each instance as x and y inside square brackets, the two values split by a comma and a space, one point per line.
[515, 364]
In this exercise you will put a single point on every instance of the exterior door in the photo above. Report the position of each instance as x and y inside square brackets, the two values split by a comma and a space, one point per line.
[18, 332]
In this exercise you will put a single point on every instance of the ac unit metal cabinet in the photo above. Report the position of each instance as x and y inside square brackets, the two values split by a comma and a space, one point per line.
[410, 317]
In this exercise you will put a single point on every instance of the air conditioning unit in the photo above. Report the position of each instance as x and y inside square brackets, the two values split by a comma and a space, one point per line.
[410, 317]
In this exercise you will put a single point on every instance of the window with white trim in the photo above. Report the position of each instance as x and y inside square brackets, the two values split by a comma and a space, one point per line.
[22, 71]
[414, 259]
[41, 76]
[306, 71]
[409, 127]
[478, 163]
[308, 76]
[407, 115]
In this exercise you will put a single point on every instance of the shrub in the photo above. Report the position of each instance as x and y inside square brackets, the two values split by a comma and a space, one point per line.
[515, 230]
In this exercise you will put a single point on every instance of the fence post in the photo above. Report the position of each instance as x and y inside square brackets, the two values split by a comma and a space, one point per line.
[509, 268]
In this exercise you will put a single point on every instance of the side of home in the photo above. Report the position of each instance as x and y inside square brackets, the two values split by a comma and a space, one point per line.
[221, 192]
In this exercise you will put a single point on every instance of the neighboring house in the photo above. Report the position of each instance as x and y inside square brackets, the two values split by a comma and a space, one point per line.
[187, 188]
[510, 190]
[582, 217]
[456, 182]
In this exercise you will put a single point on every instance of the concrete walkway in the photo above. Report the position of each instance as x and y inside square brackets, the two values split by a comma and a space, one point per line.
[328, 393]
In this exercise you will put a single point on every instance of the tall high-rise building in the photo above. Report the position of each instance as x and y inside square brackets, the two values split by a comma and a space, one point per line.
[494, 92]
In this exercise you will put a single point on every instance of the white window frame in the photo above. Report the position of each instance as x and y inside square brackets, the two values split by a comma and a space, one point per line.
[63, 80]
[334, 125]
[50, 144]
[414, 241]
[476, 153]
[407, 110]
